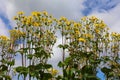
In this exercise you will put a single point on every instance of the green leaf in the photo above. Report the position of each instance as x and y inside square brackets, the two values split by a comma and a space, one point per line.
[59, 77]
[7, 77]
[4, 67]
[60, 46]
[1, 78]
[47, 76]
[86, 54]
[96, 61]
[39, 66]
[87, 69]
[33, 70]
[68, 60]
[92, 78]
[30, 56]
[12, 63]
[106, 70]
[65, 46]
[60, 64]
[22, 70]
[47, 66]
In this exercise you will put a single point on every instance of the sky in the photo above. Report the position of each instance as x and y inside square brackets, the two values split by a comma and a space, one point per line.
[107, 10]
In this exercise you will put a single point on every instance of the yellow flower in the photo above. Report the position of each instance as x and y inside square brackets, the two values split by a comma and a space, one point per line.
[67, 28]
[108, 28]
[84, 18]
[20, 13]
[16, 33]
[35, 13]
[15, 18]
[93, 18]
[53, 71]
[54, 19]
[87, 27]
[75, 25]
[36, 24]
[44, 19]
[115, 35]
[96, 25]
[4, 38]
[63, 19]
[49, 21]
[77, 32]
[59, 23]
[100, 25]
[82, 40]
[88, 35]
[68, 23]
[29, 20]
[45, 13]
[97, 31]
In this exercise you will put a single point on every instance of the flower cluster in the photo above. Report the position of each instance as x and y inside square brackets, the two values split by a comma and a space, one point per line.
[36, 19]
[115, 36]
[16, 33]
[88, 43]
[4, 38]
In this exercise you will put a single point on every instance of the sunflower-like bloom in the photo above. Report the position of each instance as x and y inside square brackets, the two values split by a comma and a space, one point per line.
[4, 38]
[36, 24]
[63, 19]
[45, 13]
[20, 13]
[16, 33]
[53, 71]
[82, 40]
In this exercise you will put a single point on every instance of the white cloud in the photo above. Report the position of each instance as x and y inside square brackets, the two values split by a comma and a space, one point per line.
[3, 29]
[111, 18]
[71, 9]
[68, 8]
[2, 7]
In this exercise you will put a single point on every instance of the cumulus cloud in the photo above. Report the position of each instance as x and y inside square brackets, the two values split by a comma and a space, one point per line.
[68, 8]
[72, 9]
[107, 10]
[1, 7]
[99, 5]
[111, 18]
[3, 29]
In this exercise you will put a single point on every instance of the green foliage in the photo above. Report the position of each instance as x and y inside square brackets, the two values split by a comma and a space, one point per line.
[22, 71]
[88, 44]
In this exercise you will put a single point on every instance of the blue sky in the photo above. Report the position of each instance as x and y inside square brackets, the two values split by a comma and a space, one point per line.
[107, 10]
[99, 6]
